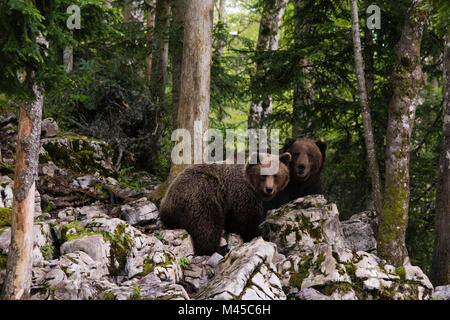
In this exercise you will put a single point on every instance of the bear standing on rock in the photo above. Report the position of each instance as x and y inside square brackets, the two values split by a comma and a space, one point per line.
[205, 199]
[308, 157]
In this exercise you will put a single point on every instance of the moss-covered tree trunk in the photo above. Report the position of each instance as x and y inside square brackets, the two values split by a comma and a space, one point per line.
[20, 259]
[440, 268]
[269, 33]
[406, 82]
[373, 169]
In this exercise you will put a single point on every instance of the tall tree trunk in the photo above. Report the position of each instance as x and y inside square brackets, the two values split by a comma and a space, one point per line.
[303, 92]
[176, 51]
[440, 267]
[368, 57]
[374, 171]
[221, 14]
[269, 33]
[20, 259]
[68, 57]
[406, 81]
[151, 9]
[194, 100]
[158, 78]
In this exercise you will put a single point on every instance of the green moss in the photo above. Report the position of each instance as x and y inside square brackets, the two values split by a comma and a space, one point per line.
[76, 231]
[148, 267]
[3, 261]
[343, 287]
[121, 243]
[5, 217]
[318, 262]
[136, 293]
[48, 250]
[184, 262]
[297, 278]
[6, 169]
[280, 212]
[109, 296]
[401, 273]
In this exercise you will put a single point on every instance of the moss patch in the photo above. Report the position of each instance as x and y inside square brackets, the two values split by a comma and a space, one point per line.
[5, 217]
[3, 261]
[121, 243]
[74, 230]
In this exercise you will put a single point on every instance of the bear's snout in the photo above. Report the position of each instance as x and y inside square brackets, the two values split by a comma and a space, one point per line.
[269, 190]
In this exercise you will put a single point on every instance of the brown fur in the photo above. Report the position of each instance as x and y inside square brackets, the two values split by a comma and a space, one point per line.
[308, 157]
[205, 199]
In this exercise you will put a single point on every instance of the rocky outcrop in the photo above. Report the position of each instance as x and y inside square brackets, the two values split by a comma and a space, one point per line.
[303, 254]
[319, 257]
[97, 236]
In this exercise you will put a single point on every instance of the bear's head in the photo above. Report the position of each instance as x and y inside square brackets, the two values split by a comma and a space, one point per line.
[308, 157]
[267, 174]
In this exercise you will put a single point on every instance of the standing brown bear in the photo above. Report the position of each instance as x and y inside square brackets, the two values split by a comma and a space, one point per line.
[308, 157]
[205, 199]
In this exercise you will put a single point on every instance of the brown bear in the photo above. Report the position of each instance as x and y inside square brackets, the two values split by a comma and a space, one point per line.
[308, 158]
[205, 199]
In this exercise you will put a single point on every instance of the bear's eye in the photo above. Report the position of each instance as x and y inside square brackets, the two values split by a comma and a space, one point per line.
[275, 176]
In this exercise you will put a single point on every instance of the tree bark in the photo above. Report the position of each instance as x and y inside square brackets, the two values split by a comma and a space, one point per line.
[406, 81]
[374, 171]
[158, 78]
[269, 33]
[20, 259]
[196, 69]
[303, 94]
[440, 267]
[221, 15]
[194, 100]
[151, 6]
[176, 50]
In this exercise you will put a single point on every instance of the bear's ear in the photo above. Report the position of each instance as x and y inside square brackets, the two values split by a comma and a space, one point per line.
[323, 148]
[285, 158]
[287, 143]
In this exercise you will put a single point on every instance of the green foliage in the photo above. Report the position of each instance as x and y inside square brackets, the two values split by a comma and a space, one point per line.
[136, 293]
[129, 178]
[5, 217]
[184, 262]
[121, 243]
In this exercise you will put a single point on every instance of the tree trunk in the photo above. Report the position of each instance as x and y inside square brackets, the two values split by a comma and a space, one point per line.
[176, 50]
[221, 14]
[151, 9]
[303, 92]
[20, 259]
[158, 78]
[269, 33]
[440, 267]
[194, 100]
[68, 57]
[374, 171]
[406, 81]
[368, 57]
